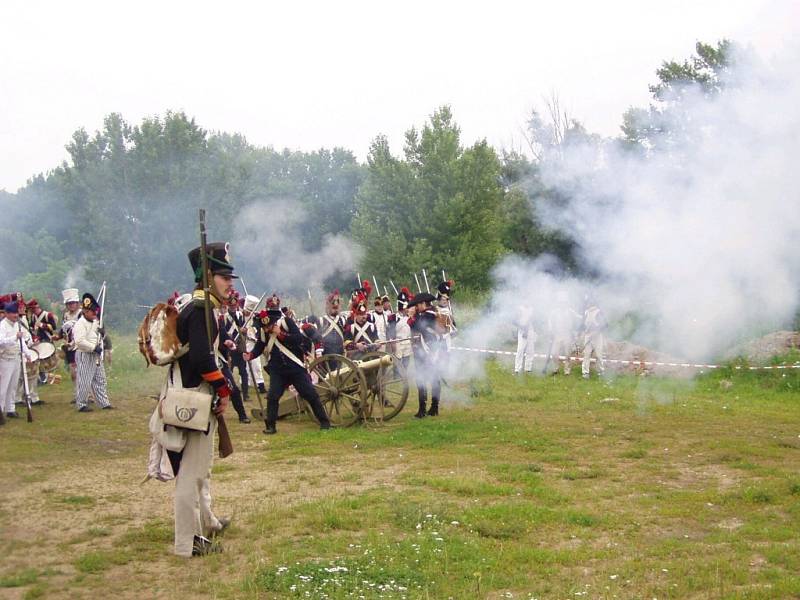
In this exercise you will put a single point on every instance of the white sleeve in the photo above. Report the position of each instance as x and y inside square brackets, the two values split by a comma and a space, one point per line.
[80, 334]
[8, 336]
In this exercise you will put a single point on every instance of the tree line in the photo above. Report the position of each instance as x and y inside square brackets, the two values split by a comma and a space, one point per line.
[123, 206]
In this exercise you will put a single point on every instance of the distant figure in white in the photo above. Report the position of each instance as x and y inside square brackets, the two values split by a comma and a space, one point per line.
[594, 337]
[526, 337]
[561, 324]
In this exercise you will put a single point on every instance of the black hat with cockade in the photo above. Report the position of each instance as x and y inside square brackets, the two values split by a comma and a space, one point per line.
[219, 260]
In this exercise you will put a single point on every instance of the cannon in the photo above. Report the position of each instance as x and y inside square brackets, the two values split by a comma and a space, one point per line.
[373, 387]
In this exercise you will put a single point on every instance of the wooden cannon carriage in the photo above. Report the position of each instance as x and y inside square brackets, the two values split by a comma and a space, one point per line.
[372, 387]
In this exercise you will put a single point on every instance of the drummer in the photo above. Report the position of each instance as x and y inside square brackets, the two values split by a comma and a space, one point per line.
[43, 323]
[43, 328]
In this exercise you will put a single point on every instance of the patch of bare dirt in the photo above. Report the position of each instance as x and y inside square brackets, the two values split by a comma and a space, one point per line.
[55, 516]
[761, 350]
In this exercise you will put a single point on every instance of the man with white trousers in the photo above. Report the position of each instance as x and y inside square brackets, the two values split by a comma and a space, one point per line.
[526, 338]
[561, 323]
[250, 305]
[10, 359]
[594, 337]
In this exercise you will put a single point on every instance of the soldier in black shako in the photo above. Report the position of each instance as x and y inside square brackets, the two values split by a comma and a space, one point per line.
[285, 345]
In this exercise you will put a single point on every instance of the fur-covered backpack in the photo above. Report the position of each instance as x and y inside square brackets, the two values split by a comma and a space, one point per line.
[158, 333]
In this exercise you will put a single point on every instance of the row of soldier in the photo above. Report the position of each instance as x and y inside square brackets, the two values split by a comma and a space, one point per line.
[29, 356]
[217, 332]
[418, 325]
[570, 333]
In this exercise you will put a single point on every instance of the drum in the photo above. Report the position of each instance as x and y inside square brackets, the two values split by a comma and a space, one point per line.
[32, 368]
[48, 359]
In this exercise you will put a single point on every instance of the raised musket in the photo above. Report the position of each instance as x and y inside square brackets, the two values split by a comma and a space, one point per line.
[26, 385]
[225, 444]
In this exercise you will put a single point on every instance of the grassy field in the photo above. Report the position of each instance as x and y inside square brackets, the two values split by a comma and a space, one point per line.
[525, 488]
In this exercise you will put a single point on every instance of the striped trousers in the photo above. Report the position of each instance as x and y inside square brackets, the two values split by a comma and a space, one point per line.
[91, 376]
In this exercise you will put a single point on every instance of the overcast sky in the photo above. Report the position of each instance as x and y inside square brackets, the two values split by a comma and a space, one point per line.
[307, 75]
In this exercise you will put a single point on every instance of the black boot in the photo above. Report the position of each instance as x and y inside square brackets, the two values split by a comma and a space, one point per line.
[270, 428]
[421, 412]
[434, 409]
[261, 388]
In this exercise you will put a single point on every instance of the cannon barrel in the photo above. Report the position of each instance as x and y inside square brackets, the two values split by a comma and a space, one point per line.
[367, 365]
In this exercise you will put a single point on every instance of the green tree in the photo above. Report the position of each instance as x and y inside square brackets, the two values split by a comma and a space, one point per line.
[439, 208]
[665, 124]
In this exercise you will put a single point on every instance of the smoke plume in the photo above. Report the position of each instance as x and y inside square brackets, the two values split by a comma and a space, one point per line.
[691, 249]
[268, 243]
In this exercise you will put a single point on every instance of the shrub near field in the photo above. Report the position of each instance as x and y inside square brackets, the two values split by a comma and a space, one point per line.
[546, 488]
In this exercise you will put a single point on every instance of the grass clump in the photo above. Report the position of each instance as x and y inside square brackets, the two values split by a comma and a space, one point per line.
[101, 560]
[19, 579]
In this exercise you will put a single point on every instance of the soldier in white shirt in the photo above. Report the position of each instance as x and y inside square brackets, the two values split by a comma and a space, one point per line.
[250, 304]
[11, 332]
[400, 329]
[562, 323]
[89, 345]
[381, 318]
[526, 338]
[594, 337]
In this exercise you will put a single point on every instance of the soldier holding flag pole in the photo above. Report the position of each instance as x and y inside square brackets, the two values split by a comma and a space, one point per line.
[91, 373]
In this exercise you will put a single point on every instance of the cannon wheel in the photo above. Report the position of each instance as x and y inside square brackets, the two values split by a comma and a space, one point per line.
[387, 388]
[341, 386]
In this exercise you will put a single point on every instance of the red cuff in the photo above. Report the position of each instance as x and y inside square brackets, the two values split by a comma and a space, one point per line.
[281, 335]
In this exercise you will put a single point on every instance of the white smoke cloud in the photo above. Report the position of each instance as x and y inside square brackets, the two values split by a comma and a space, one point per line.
[268, 243]
[76, 278]
[697, 243]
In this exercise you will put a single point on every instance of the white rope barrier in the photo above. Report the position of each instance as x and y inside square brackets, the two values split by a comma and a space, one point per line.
[635, 363]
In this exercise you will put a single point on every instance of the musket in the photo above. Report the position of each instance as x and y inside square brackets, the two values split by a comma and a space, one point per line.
[419, 288]
[549, 356]
[253, 313]
[225, 444]
[377, 287]
[26, 386]
[102, 301]
[449, 303]
[310, 303]
[372, 345]
[258, 413]
[359, 280]
[425, 276]
[244, 287]
[394, 287]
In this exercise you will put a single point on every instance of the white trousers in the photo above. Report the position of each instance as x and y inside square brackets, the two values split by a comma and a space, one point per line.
[193, 514]
[33, 386]
[524, 357]
[258, 371]
[91, 376]
[594, 342]
[9, 377]
[562, 346]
